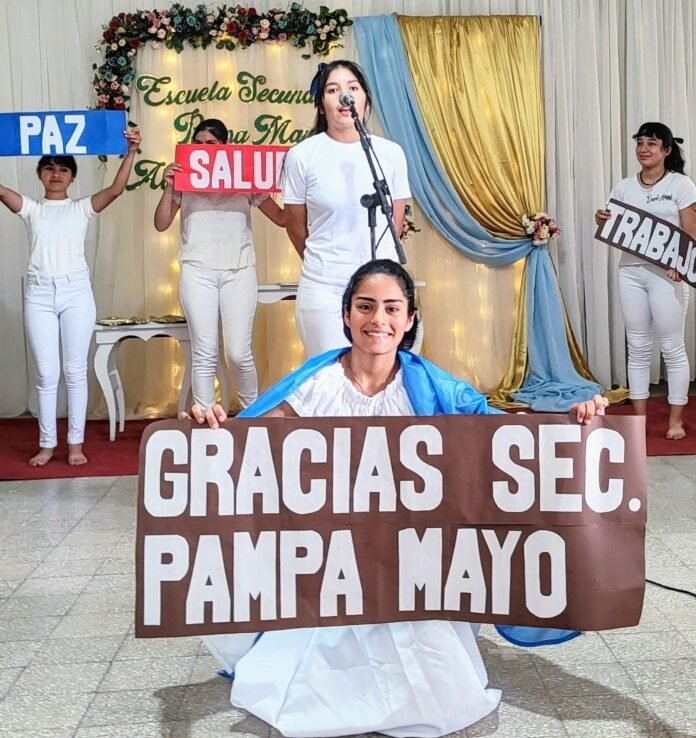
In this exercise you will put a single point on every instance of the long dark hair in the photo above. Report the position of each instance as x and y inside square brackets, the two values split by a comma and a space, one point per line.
[319, 83]
[61, 161]
[675, 159]
[215, 126]
[390, 269]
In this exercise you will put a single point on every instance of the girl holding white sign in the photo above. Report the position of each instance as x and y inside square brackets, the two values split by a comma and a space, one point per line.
[423, 678]
[59, 309]
[218, 273]
[324, 178]
[654, 300]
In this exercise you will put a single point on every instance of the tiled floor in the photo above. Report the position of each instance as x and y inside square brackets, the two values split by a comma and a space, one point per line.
[70, 667]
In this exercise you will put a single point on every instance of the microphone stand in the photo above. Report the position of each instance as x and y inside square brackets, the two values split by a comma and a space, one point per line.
[381, 197]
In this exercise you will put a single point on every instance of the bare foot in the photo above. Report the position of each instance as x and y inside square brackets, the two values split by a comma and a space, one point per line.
[675, 432]
[75, 455]
[43, 457]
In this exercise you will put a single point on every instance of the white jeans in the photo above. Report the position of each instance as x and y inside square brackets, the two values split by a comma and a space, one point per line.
[206, 296]
[59, 314]
[654, 304]
[319, 317]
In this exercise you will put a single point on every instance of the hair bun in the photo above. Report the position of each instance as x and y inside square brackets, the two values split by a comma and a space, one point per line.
[678, 140]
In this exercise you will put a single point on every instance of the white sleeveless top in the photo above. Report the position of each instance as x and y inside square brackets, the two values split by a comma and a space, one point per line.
[330, 393]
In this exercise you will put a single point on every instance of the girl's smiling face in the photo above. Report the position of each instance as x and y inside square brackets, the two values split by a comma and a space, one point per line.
[378, 316]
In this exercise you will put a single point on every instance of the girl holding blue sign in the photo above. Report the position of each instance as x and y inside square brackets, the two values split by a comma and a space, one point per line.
[218, 273]
[59, 309]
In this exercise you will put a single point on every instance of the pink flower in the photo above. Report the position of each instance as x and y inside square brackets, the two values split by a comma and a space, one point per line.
[115, 85]
[282, 37]
[119, 100]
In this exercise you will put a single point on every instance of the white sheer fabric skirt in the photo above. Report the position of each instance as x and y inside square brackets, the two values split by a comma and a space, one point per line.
[420, 679]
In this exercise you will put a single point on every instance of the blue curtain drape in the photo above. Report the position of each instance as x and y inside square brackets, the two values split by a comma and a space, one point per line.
[552, 384]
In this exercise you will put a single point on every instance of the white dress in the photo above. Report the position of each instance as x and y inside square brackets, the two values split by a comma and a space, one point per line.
[420, 679]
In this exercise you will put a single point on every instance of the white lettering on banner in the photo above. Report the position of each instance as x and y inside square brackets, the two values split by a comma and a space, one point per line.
[505, 438]
[430, 497]
[465, 574]
[258, 488]
[208, 583]
[545, 543]
[301, 552]
[420, 568]
[73, 146]
[200, 177]
[626, 228]
[341, 577]
[156, 571]
[552, 468]
[29, 125]
[51, 135]
[254, 575]
[501, 557]
[226, 171]
[257, 475]
[173, 504]
[211, 469]
[294, 497]
[421, 561]
[599, 500]
[258, 572]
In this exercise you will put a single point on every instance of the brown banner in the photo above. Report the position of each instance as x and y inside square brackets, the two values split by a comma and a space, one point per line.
[287, 523]
[652, 239]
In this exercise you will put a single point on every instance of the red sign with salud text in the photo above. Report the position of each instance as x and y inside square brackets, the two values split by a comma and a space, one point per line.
[229, 168]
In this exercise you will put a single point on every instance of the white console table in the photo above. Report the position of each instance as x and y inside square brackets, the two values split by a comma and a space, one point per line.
[109, 338]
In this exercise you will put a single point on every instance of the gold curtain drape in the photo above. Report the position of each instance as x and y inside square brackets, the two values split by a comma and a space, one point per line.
[479, 89]
[478, 84]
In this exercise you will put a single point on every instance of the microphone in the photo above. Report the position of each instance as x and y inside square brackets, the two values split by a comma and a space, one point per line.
[346, 99]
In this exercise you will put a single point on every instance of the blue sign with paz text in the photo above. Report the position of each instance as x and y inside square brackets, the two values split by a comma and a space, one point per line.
[73, 132]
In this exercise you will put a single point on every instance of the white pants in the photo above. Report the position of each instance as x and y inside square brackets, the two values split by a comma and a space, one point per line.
[319, 317]
[206, 296]
[59, 314]
[654, 304]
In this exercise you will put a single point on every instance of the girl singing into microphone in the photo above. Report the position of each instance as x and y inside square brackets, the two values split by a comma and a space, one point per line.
[324, 178]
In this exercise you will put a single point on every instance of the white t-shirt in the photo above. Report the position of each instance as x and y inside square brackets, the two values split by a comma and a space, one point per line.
[216, 229]
[329, 393]
[330, 177]
[664, 200]
[56, 230]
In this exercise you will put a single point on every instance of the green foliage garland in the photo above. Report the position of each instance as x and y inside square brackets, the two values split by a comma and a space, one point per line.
[226, 27]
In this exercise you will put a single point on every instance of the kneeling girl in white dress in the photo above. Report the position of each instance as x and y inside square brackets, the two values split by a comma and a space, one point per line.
[402, 679]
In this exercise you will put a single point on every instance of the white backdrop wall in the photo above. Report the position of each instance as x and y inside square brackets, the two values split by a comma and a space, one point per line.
[608, 65]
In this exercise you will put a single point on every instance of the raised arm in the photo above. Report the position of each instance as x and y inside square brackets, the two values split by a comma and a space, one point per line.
[296, 226]
[105, 197]
[273, 212]
[167, 207]
[10, 199]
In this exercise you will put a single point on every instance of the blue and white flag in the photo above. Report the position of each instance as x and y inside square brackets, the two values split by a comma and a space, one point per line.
[63, 133]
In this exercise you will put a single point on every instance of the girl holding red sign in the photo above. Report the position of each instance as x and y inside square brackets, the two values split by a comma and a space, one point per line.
[324, 178]
[218, 273]
[420, 679]
[59, 309]
[654, 301]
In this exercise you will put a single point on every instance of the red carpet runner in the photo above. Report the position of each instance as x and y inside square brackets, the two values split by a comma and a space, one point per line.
[106, 459]
[20, 437]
